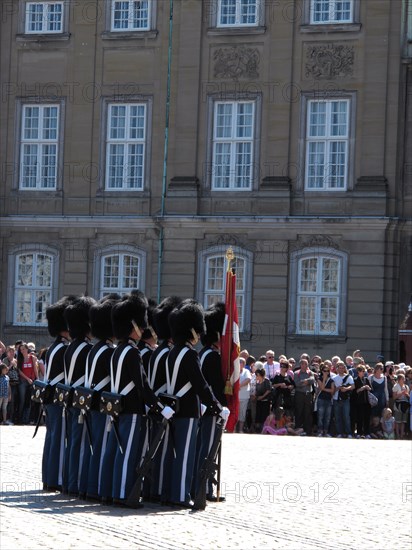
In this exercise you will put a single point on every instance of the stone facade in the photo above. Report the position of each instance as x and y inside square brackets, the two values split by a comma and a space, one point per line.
[179, 217]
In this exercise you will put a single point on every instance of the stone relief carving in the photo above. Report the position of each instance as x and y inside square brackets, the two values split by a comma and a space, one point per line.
[236, 62]
[329, 61]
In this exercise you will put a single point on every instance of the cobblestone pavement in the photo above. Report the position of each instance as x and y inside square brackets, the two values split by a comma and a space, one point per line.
[281, 492]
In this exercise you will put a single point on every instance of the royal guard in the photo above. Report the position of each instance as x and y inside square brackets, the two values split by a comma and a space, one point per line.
[77, 318]
[211, 366]
[53, 452]
[157, 381]
[129, 382]
[186, 382]
[97, 380]
[148, 342]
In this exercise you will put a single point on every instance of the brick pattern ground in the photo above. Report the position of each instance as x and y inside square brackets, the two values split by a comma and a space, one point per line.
[281, 492]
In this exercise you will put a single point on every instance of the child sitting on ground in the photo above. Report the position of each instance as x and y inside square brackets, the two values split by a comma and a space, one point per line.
[376, 431]
[279, 424]
[388, 424]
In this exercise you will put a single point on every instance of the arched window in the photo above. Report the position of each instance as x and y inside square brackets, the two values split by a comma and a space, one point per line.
[119, 269]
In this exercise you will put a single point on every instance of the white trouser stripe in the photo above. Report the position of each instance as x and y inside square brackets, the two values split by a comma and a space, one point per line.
[127, 456]
[185, 457]
[81, 456]
[104, 444]
[62, 447]
[212, 433]
[162, 461]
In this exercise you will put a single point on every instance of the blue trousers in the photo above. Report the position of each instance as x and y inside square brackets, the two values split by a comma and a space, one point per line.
[84, 457]
[98, 425]
[182, 465]
[109, 449]
[341, 411]
[75, 447]
[124, 468]
[205, 439]
[324, 414]
[52, 460]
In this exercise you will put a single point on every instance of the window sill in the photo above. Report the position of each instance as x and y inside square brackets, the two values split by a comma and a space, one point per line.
[123, 193]
[45, 37]
[331, 27]
[235, 31]
[319, 338]
[129, 35]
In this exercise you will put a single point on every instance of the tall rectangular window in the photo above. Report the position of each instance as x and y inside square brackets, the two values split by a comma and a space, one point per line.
[33, 288]
[126, 145]
[318, 295]
[39, 147]
[233, 140]
[131, 15]
[44, 17]
[331, 11]
[238, 13]
[119, 273]
[215, 283]
[327, 144]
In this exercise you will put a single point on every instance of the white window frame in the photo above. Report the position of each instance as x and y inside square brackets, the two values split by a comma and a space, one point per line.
[121, 289]
[130, 27]
[233, 141]
[204, 258]
[328, 140]
[126, 142]
[238, 11]
[41, 143]
[32, 288]
[45, 19]
[332, 10]
[117, 250]
[320, 254]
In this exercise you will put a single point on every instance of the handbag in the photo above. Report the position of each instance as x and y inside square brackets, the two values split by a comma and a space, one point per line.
[63, 395]
[14, 377]
[85, 399]
[111, 403]
[373, 400]
[344, 395]
[402, 406]
[41, 392]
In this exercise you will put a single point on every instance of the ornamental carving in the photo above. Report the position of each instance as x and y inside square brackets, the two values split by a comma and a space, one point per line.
[236, 62]
[329, 61]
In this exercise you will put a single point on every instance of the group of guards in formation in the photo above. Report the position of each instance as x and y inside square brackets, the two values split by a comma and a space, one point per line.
[105, 403]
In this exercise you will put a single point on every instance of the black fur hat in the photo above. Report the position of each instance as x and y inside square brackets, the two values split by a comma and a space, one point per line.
[100, 315]
[160, 316]
[77, 316]
[187, 316]
[147, 334]
[214, 320]
[132, 307]
[56, 323]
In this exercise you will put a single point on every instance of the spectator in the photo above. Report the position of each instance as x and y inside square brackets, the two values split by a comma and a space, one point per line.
[271, 366]
[363, 409]
[252, 400]
[27, 365]
[284, 387]
[379, 389]
[324, 401]
[250, 361]
[244, 393]
[304, 381]
[262, 397]
[344, 384]
[388, 424]
[401, 405]
[4, 392]
[13, 374]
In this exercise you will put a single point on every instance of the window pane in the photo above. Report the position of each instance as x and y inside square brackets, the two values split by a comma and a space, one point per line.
[29, 166]
[50, 122]
[307, 308]
[215, 274]
[121, 15]
[308, 275]
[248, 12]
[317, 119]
[339, 118]
[221, 165]
[111, 272]
[224, 120]
[328, 315]
[337, 164]
[118, 122]
[31, 122]
[23, 306]
[316, 165]
[130, 272]
[134, 169]
[54, 17]
[42, 301]
[49, 166]
[137, 122]
[35, 17]
[25, 270]
[141, 14]
[330, 275]
[116, 163]
[44, 271]
[244, 122]
[227, 12]
[243, 164]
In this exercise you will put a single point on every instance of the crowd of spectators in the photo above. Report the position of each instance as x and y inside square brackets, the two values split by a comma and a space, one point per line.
[325, 397]
[310, 396]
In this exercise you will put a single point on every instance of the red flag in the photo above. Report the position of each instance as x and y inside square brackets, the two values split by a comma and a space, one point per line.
[230, 349]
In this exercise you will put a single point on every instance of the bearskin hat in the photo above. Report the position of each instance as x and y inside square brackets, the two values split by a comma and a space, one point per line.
[147, 333]
[100, 315]
[56, 323]
[214, 320]
[185, 317]
[160, 316]
[132, 307]
[77, 316]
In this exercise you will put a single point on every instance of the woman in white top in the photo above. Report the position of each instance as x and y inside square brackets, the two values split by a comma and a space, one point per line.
[244, 392]
[401, 405]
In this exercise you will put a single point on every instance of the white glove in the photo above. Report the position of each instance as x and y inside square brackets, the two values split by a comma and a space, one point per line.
[203, 409]
[167, 412]
[225, 414]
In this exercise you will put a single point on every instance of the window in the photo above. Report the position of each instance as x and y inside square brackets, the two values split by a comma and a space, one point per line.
[233, 142]
[331, 11]
[120, 273]
[33, 288]
[238, 13]
[131, 15]
[318, 292]
[39, 146]
[126, 146]
[327, 144]
[44, 17]
[212, 267]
